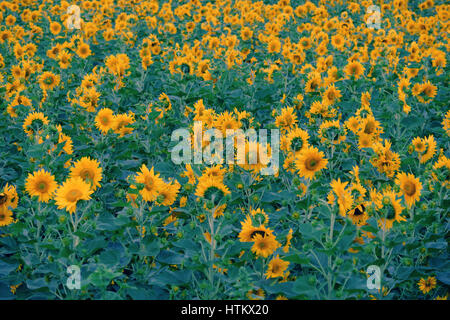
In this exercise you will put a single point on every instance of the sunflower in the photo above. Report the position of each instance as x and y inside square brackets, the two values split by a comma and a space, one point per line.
[6, 216]
[64, 59]
[276, 268]
[249, 231]
[331, 94]
[354, 69]
[216, 171]
[352, 124]
[70, 192]
[390, 210]
[35, 120]
[287, 119]
[344, 197]
[264, 245]
[274, 45]
[253, 156]
[121, 122]
[8, 197]
[47, 81]
[260, 216]
[309, 161]
[419, 145]
[410, 186]
[189, 173]
[226, 121]
[41, 184]
[385, 160]
[89, 170]
[105, 120]
[426, 285]
[55, 27]
[370, 126]
[364, 141]
[211, 188]
[430, 151]
[332, 132]
[358, 214]
[151, 181]
[168, 193]
[83, 50]
[297, 140]
[429, 89]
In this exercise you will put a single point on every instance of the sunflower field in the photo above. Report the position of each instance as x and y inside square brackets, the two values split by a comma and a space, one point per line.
[353, 94]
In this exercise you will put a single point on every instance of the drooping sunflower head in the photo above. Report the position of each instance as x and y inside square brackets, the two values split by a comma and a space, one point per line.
[297, 139]
[34, 122]
[390, 211]
[211, 188]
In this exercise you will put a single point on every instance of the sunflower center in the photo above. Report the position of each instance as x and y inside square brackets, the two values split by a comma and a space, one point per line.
[410, 188]
[297, 143]
[359, 210]
[148, 183]
[87, 175]
[42, 186]
[105, 120]
[311, 164]
[369, 128]
[73, 195]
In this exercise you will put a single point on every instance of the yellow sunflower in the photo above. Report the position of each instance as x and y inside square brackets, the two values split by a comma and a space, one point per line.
[8, 197]
[47, 81]
[151, 181]
[410, 186]
[297, 140]
[309, 161]
[105, 120]
[264, 246]
[121, 122]
[390, 210]
[6, 216]
[168, 193]
[426, 285]
[70, 192]
[211, 188]
[354, 69]
[35, 120]
[276, 268]
[89, 170]
[41, 184]
[83, 50]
